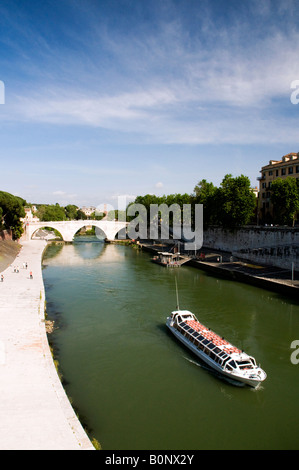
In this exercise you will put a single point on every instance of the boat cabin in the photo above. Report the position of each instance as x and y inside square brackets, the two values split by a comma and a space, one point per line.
[166, 258]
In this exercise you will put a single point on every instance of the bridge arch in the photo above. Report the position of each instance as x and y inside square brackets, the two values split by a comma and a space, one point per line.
[46, 228]
[98, 231]
[75, 228]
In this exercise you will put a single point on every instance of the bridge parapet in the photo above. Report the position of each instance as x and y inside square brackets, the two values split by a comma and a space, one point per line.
[68, 228]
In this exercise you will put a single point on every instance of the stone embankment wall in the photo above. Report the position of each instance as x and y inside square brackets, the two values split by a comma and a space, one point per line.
[276, 246]
[6, 235]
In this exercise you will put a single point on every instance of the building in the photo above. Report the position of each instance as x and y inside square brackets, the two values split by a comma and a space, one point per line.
[287, 166]
[29, 215]
[88, 210]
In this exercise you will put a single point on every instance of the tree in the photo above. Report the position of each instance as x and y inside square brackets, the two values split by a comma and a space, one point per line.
[11, 211]
[236, 200]
[81, 215]
[52, 212]
[285, 200]
[206, 194]
[71, 211]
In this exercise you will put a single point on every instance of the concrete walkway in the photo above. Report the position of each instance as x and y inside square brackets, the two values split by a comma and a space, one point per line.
[35, 413]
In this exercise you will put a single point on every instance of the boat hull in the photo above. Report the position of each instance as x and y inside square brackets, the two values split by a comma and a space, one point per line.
[250, 381]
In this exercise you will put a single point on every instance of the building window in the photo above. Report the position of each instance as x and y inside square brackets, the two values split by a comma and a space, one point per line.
[290, 170]
[283, 171]
[297, 169]
[276, 172]
[270, 173]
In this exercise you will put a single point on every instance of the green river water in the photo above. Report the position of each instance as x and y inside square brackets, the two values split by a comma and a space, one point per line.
[135, 385]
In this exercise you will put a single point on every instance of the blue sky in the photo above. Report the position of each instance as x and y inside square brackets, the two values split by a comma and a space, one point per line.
[106, 98]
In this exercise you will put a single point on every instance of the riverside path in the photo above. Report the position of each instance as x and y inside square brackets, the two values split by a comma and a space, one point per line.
[35, 413]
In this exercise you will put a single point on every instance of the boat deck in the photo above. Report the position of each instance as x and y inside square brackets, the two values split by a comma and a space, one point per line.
[213, 337]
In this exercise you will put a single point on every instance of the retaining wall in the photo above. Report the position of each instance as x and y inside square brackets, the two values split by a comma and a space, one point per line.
[276, 246]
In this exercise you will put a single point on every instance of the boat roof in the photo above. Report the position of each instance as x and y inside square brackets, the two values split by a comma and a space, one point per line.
[183, 312]
[211, 340]
[166, 253]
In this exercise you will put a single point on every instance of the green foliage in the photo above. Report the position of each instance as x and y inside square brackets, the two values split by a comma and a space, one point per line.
[53, 212]
[285, 200]
[11, 211]
[81, 215]
[237, 201]
[207, 195]
[230, 205]
[71, 211]
[96, 444]
[169, 207]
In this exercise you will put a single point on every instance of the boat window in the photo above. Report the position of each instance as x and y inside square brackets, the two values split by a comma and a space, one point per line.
[206, 341]
[233, 364]
[217, 350]
[225, 360]
[245, 364]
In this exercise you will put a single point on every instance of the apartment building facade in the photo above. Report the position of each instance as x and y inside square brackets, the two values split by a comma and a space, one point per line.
[287, 166]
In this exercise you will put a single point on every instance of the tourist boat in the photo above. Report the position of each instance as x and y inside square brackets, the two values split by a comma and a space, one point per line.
[170, 260]
[214, 350]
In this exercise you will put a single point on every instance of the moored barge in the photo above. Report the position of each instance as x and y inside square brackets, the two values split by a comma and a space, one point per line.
[214, 350]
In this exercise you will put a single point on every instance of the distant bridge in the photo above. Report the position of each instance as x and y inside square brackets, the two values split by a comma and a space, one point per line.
[69, 228]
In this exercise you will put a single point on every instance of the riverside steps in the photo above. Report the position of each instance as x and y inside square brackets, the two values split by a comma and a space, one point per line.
[35, 411]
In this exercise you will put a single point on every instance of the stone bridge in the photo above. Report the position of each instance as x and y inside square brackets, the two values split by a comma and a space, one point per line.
[69, 228]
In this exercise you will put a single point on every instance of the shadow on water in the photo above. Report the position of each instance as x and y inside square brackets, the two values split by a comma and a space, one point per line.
[217, 375]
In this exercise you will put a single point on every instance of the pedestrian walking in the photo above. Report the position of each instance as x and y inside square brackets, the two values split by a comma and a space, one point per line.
[31, 275]
[2, 278]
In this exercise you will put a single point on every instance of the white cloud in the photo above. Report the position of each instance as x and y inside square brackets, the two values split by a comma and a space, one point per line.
[215, 93]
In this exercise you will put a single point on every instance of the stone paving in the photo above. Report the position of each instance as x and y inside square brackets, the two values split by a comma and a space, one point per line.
[35, 413]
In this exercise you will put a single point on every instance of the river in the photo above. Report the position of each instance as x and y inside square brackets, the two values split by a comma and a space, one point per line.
[135, 385]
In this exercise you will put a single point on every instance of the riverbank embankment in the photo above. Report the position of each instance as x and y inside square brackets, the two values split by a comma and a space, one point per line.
[35, 411]
[8, 251]
[224, 264]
